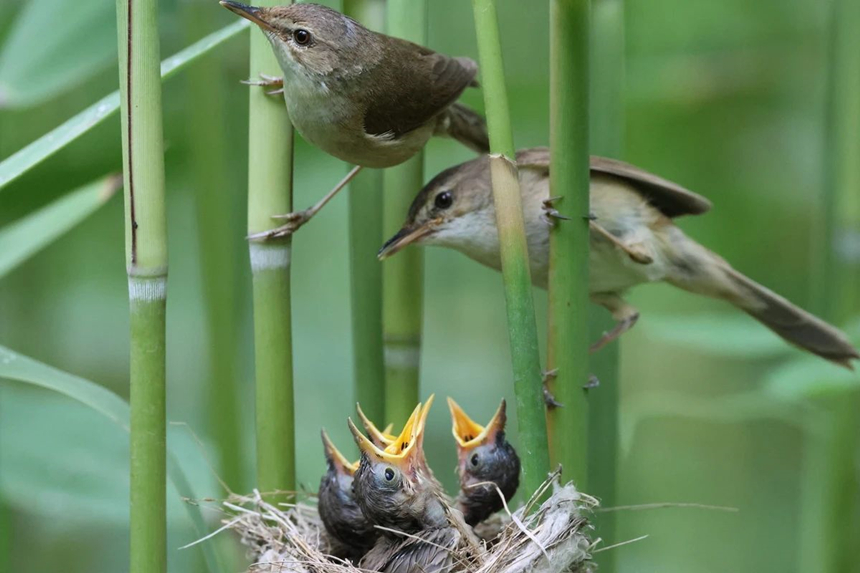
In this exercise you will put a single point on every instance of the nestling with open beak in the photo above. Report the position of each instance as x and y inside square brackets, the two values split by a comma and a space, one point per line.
[366, 98]
[341, 516]
[393, 492]
[485, 461]
[633, 240]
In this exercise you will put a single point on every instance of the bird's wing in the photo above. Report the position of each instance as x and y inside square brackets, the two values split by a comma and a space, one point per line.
[670, 198]
[421, 83]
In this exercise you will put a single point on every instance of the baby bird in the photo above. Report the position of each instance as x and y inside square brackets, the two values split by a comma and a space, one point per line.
[484, 455]
[634, 240]
[341, 516]
[394, 493]
[366, 98]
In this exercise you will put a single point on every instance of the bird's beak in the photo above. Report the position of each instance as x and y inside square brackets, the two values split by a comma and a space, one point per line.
[251, 13]
[381, 439]
[405, 237]
[422, 422]
[401, 453]
[470, 434]
[335, 458]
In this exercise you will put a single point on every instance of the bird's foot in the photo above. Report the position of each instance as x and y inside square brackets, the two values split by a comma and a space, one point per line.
[293, 222]
[550, 213]
[620, 328]
[266, 81]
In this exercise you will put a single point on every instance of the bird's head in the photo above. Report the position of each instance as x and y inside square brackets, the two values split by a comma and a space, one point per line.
[455, 209]
[390, 486]
[307, 39]
[484, 455]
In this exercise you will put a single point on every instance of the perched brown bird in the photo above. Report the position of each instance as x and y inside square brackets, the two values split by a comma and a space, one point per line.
[633, 241]
[338, 510]
[486, 461]
[395, 494]
[369, 99]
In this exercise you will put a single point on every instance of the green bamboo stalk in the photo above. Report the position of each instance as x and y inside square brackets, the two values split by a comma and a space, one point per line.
[403, 276]
[218, 226]
[515, 262]
[270, 173]
[365, 236]
[567, 344]
[607, 137]
[830, 489]
[146, 264]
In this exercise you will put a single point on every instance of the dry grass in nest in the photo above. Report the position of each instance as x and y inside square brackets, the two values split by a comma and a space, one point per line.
[552, 539]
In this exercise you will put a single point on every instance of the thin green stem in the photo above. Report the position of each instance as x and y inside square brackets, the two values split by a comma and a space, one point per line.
[567, 344]
[365, 236]
[525, 356]
[146, 264]
[270, 171]
[607, 137]
[219, 225]
[830, 489]
[403, 276]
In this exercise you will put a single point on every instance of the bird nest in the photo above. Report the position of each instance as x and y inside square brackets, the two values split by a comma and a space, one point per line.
[290, 538]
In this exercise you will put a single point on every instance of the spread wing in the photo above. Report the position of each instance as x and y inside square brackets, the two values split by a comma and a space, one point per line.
[420, 84]
[670, 198]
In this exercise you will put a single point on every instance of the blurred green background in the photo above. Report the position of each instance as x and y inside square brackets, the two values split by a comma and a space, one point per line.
[727, 98]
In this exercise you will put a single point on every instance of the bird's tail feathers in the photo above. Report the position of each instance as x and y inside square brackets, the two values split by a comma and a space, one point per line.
[466, 126]
[698, 270]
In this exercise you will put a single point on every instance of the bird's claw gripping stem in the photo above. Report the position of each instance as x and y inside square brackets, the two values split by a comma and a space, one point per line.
[550, 213]
[267, 81]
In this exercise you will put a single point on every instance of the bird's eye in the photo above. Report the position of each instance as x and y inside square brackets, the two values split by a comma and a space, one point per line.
[443, 200]
[389, 474]
[302, 37]
[475, 460]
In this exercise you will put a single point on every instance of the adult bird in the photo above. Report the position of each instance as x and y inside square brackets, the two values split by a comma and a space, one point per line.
[633, 240]
[486, 464]
[343, 520]
[369, 99]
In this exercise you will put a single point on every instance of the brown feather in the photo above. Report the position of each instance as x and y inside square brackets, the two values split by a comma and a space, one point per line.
[425, 83]
[669, 198]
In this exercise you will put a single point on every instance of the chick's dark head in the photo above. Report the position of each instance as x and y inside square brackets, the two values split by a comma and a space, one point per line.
[486, 461]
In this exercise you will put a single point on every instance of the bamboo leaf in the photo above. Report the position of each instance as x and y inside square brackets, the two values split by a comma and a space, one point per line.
[33, 154]
[53, 46]
[20, 368]
[24, 238]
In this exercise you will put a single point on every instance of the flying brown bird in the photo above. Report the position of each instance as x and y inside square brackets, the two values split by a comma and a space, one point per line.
[486, 461]
[341, 516]
[634, 240]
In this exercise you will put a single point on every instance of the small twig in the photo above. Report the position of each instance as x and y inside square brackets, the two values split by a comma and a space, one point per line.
[628, 542]
[666, 505]
[214, 533]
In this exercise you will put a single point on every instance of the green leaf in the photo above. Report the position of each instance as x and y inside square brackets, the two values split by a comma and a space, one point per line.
[53, 46]
[717, 333]
[14, 366]
[26, 237]
[25, 159]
